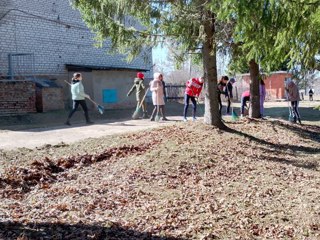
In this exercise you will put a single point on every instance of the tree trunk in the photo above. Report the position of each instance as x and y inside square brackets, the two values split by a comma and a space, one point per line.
[254, 90]
[211, 115]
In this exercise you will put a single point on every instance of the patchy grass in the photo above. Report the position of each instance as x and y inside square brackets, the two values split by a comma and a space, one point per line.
[259, 180]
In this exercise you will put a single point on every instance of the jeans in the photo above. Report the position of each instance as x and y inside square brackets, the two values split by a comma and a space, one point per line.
[244, 101]
[295, 111]
[186, 105]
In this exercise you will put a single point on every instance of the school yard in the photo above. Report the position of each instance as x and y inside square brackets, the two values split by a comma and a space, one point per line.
[175, 180]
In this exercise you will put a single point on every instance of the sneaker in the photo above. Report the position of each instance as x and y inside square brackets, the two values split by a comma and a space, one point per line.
[67, 123]
[165, 119]
[185, 119]
[145, 116]
[194, 119]
[299, 120]
[152, 119]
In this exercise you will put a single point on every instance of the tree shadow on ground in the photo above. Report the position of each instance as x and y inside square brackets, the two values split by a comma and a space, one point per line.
[281, 149]
[310, 132]
[307, 113]
[15, 230]
[307, 164]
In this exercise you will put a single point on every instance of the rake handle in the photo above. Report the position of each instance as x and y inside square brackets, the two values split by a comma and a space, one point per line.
[143, 98]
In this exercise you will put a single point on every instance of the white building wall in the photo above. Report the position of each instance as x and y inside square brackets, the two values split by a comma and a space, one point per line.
[54, 32]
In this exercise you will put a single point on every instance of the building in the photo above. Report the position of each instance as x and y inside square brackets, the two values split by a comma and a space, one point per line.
[48, 40]
[274, 84]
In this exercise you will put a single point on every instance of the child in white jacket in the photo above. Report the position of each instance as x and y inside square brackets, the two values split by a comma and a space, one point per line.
[78, 97]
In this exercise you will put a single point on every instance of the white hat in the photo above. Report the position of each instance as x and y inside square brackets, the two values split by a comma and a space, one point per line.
[156, 75]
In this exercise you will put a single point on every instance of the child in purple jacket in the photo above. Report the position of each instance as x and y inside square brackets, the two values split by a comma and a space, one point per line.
[262, 92]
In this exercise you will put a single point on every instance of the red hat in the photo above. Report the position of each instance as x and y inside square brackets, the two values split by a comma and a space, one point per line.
[140, 75]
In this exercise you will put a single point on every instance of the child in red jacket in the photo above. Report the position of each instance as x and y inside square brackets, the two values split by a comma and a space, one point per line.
[193, 90]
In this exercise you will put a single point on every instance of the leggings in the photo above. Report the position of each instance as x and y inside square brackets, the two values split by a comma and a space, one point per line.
[75, 106]
[186, 105]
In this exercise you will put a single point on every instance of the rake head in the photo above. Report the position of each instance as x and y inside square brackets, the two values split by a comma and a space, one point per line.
[100, 109]
[135, 114]
[234, 116]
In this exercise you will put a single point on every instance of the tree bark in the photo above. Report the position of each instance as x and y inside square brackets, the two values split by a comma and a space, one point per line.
[211, 115]
[254, 90]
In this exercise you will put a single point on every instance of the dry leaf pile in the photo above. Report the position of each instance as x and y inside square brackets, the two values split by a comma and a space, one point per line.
[258, 180]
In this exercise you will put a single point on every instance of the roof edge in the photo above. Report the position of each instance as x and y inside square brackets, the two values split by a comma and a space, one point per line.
[89, 68]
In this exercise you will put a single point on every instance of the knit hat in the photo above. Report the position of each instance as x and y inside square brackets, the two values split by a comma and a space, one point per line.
[140, 75]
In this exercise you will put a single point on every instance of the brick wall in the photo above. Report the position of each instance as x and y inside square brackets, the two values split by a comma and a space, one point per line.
[49, 99]
[17, 97]
[274, 84]
[54, 32]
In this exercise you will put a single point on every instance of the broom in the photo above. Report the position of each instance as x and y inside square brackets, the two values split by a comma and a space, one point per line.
[99, 107]
[136, 112]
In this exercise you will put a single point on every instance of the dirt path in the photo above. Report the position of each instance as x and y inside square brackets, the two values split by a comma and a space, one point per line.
[32, 138]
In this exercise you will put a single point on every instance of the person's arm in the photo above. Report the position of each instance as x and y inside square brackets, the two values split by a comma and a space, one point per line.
[153, 86]
[164, 91]
[142, 85]
[229, 89]
[80, 91]
[131, 90]
[189, 83]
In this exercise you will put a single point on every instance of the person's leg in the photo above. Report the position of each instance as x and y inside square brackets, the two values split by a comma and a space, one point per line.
[194, 109]
[296, 113]
[153, 113]
[293, 112]
[186, 105]
[75, 106]
[261, 107]
[228, 107]
[243, 104]
[136, 113]
[144, 109]
[162, 111]
[220, 104]
[85, 110]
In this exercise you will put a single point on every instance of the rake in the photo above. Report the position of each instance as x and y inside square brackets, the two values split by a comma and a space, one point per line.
[137, 111]
[99, 107]
[234, 115]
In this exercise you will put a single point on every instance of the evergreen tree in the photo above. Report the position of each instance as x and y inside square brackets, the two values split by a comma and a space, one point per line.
[133, 26]
[268, 32]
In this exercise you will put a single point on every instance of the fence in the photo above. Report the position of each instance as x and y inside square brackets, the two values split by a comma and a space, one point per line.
[175, 92]
[16, 66]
